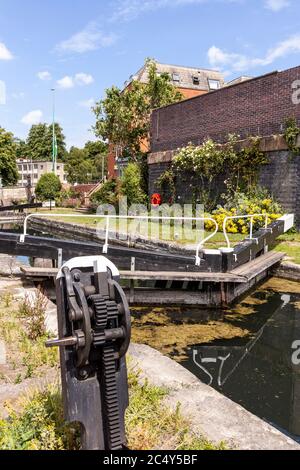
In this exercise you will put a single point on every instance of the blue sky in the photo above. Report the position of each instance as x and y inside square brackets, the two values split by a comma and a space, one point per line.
[82, 47]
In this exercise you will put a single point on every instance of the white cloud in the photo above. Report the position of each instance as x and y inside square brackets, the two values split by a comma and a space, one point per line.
[276, 5]
[33, 117]
[87, 103]
[84, 79]
[66, 82]
[80, 79]
[44, 75]
[89, 39]
[235, 62]
[131, 9]
[5, 53]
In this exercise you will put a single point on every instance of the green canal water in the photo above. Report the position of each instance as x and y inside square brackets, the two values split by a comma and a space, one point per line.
[245, 352]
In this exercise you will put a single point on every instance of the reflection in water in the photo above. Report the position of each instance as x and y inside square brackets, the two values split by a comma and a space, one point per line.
[260, 376]
[254, 368]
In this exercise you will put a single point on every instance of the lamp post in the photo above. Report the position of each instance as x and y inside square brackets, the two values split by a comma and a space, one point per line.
[54, 152]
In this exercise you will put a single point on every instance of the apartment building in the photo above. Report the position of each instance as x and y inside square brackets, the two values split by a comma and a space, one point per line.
[35, 169]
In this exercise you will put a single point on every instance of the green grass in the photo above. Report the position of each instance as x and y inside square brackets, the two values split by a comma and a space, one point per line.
[289, 243]
[26, 358]
[292, 251]
[150, 424]
[153, 230]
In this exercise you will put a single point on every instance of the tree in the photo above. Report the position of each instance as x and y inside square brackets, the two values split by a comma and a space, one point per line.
[8, 166]
[48, 187]
[84, 166]
[108, 193]
[123, 117]
[40, 140]
[21, 148]
[97, 154]
[132, 184]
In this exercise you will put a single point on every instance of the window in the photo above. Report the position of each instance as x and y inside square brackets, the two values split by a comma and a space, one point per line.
[213, 84]
[176, 77]
[196, 80]
[35, 166]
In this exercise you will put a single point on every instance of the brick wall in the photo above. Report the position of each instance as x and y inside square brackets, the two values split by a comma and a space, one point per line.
[255, 107]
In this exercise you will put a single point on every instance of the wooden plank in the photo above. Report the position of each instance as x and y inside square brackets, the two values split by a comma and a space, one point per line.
[39, 272]
[259, 265]
[148, 275]
[182, 276]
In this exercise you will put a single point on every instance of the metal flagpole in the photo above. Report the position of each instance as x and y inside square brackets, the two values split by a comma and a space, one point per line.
[53, 135]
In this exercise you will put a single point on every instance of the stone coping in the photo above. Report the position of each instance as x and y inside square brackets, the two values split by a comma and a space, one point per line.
[270, 143]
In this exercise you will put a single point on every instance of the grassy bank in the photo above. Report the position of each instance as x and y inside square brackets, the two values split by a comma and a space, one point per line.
[289, 243]
[36, 420]
[150, 424]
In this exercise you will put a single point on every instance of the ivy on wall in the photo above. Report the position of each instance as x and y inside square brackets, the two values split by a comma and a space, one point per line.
[200, 166]
[291, 133]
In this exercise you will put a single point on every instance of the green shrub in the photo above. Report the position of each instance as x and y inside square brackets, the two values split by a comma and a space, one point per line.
[108, 194]
[132, 185]
[48, 187]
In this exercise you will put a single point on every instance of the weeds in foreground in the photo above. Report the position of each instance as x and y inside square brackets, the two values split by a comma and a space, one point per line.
[7, 300]
[150, 424]
[27, 358]
[40, 425]
[33, 311]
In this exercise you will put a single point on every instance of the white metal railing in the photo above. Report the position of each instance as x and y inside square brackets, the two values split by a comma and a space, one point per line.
[127, 217]
[249, 216]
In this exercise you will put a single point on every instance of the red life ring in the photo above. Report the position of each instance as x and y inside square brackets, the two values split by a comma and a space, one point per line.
[156, 200]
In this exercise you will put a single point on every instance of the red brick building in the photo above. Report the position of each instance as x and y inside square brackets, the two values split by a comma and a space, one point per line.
[255, 107]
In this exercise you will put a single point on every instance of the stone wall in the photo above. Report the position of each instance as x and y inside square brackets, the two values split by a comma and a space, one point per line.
[7, 195]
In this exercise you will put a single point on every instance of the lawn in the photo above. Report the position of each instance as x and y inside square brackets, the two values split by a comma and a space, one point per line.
[288, 243]
[153, 230]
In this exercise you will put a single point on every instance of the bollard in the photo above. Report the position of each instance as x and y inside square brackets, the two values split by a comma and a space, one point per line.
[94, 335]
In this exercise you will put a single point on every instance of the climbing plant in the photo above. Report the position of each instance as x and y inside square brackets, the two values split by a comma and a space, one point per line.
[166, 182]
[291, 133]
[200, 166]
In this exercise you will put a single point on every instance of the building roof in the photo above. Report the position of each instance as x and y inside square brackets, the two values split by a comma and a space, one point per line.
[237, 80]
[183, 77]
